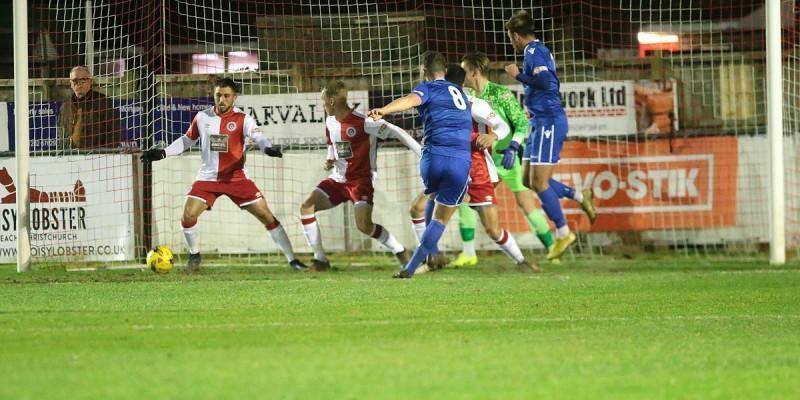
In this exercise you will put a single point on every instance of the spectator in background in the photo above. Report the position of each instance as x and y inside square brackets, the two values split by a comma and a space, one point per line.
[88, 119]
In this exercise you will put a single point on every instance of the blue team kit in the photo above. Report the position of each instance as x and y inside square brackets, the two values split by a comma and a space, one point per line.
[548, 122]
[446, 155]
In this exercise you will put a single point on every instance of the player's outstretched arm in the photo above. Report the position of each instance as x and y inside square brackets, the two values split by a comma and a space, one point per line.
[486, 140]
[331, 159]
[383, 130]
[398, 105]
[252, 131]
[175, 148]
[267, 147]
[508, 105]
[539, 80]
[482, 112]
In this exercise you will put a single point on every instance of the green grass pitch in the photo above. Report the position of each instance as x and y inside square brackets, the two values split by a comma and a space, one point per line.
[596, 328]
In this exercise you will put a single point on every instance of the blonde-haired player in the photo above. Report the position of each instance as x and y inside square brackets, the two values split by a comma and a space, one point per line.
[352, 151]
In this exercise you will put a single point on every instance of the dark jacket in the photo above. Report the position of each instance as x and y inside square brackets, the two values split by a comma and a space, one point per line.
[100, 123]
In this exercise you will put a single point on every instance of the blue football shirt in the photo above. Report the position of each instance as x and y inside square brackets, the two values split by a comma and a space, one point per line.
[447, 118]
[540, 80]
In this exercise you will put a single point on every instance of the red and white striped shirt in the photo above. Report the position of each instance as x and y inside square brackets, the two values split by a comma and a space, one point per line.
[484, 121]
[223, 142]
[483, 169]
[352, 143]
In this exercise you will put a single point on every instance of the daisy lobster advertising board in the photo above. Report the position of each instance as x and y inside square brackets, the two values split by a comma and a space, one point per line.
[81, 208]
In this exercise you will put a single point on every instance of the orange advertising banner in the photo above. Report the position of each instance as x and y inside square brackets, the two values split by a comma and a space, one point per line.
[654, 184]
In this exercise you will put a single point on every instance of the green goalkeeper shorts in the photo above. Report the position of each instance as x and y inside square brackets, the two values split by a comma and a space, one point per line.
[512, 177]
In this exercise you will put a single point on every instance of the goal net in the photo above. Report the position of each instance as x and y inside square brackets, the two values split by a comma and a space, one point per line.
[667, 108]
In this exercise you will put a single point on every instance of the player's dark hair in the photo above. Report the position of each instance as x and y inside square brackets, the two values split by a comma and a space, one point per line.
[521, 23]
[455, 74]
[227, 82]
[335, 88]
[433, 62]
[477, 61]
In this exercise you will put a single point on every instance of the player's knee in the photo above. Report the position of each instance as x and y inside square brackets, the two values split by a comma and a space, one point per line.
[308, 207]
[527, 184]
[539, 184]
[266, 217]
[188, 218]
[493, 232]
[416, 211]
[523, 199]
[365, 226]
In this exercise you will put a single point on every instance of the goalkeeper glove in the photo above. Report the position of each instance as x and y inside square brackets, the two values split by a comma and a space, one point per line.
[153, 155]
[274, 151]
[509, 154]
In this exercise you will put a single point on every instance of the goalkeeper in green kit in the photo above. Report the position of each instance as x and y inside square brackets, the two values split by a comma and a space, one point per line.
[504, 154]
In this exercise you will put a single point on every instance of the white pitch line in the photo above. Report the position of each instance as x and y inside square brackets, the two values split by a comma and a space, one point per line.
[390, 322]
[759, 271]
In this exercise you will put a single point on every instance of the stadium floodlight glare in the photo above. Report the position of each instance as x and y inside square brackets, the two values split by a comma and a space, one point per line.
[656, 37]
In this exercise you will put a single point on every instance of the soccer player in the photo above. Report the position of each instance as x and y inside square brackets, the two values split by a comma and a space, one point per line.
[504, 156]
[352, 149]
[488, 127]
[548, 128]
[484, 117]
[446, 155]
[223, 131]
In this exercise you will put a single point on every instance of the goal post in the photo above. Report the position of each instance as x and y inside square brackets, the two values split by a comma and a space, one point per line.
[777, 203]
[23, 205]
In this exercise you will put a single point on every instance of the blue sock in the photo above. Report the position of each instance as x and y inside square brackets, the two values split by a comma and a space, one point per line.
[433, 232]
[429, 211]
[429, 206]
[552, 207]
[561, 189]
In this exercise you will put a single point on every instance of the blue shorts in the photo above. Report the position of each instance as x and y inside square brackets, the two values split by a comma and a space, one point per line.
[446, 176]
[546, 139]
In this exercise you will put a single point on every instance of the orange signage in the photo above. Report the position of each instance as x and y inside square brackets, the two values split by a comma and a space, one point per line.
[648, 185]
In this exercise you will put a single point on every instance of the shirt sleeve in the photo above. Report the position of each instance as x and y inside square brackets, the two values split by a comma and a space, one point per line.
[194, 131]
[482, 112]
[251, 128]
[328, 136]
[535, 72]
[384, 130]
[180, 145]
[535, 58]
[513, 111]
[422, 91]
[253, 131]
[331, 148]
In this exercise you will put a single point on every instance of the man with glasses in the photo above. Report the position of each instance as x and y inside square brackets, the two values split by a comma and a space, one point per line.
[88, 119]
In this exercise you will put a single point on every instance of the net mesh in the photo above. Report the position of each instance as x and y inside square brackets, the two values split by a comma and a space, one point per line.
[685, 168]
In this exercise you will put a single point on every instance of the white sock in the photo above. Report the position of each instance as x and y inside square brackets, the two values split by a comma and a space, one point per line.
[280, 238]
[562, 231]
[419, 228]
[191, 236]
[578, 196]
[313, 236]
[509, 246]
[386, 238]
[468, 248]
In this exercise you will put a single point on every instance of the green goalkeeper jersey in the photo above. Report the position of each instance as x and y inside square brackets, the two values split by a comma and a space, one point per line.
[505, 104]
